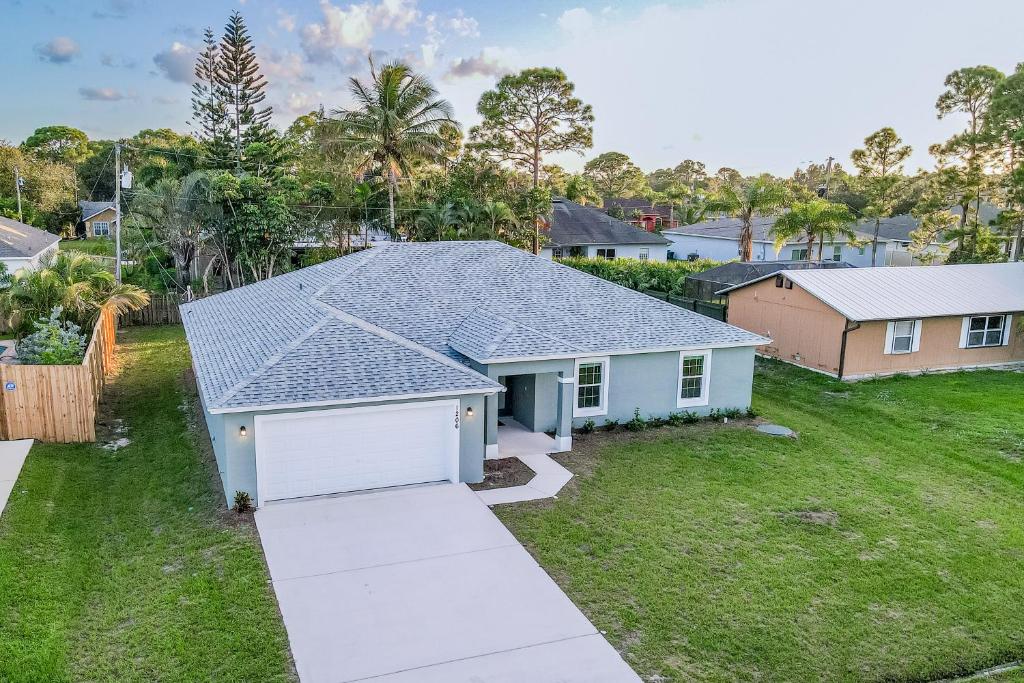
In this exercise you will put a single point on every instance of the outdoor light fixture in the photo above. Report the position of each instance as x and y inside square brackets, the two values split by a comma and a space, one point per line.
[241, 431]
[469, 411]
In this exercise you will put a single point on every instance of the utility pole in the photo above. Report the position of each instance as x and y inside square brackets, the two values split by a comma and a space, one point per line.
[828, 175]
[18, 182]
[117, 212]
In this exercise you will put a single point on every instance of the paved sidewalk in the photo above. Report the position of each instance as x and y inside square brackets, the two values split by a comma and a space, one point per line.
[12, 457]
[550, 479]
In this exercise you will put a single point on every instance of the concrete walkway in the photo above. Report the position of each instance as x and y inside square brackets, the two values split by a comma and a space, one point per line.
[12, 457]
[422, 584]
[550, 479]
[515, 440]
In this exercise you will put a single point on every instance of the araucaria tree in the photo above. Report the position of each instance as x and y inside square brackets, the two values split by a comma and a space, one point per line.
[397, 118]
[745, 199]
[528, 115]
[880, 164]
[241, 88]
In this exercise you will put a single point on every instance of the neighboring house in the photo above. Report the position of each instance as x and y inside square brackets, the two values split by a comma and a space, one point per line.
[98, 219]
[576, 230]
[864, 322]
[23, 247]
[707, 284]
[719, 239]
[390, 366]
[643, 213]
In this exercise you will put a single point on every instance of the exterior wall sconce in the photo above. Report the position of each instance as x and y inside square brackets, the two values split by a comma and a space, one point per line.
[469, 411]
[242, 431]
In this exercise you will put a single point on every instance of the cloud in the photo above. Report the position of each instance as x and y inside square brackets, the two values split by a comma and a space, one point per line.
[354, 26]
[464, 26]
[302, 102]
[577, 21]
[284, 67]
[491, 62]
[116, 9]
[101, 94]
[176, 62]
[60, 50]
[285, 20]
[109, 60]
[165, 100]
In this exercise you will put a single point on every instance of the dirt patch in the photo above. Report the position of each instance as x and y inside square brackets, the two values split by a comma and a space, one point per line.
[502, 473]
[821, 517]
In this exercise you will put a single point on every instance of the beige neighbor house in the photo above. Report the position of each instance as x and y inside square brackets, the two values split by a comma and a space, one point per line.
[98, 218]
[865, 322]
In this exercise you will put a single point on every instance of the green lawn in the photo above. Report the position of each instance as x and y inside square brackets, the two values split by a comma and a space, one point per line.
[98, 246]
[125, 566]
[696, 550]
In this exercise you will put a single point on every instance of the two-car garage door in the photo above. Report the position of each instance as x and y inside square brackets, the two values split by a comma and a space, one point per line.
[351, 449]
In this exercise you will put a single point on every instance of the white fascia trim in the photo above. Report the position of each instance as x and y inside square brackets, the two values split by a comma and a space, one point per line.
[627, 352]
[602, 409]
[354, 401]
[710, 237]
[109, 208]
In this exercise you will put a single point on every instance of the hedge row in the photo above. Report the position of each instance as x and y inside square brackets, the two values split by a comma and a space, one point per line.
[640, 275]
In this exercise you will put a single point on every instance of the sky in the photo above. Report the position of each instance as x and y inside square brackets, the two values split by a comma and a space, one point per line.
[757, 85]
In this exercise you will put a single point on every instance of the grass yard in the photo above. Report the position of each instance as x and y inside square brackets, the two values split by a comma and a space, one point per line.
[885, 543]
[125, 566]
[97, 246]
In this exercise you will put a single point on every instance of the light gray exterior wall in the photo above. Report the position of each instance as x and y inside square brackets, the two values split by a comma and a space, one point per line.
[236, 455]
[655, 252]
[716, 248]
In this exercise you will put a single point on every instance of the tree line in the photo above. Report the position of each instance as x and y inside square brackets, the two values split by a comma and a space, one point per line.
[244, 193]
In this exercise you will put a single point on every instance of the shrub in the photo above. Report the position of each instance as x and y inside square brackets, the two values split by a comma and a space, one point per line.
[637, 424]
[635, 274]
[689, 417]
[54, 342]
[733, 413]
[588, 426]
[751, 413]
[653, 422]
[610, 425]
[243, 502]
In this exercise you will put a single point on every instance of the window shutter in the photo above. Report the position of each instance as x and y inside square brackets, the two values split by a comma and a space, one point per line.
[1007, 326]
[966, 325]
[890, 329]
[916, 344]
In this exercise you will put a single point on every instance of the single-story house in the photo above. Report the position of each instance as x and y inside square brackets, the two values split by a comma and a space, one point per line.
[98, 219]
[707, 284]
[642, 213]
[24, 247]
[409, 362]
[576, 230]
[865, 322]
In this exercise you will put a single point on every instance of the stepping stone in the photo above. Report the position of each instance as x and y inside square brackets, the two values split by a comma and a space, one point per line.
[775, 430]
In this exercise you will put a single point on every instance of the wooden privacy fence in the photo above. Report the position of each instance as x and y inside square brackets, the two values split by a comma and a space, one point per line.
[712, 310]
[57, 402]
[162, 310]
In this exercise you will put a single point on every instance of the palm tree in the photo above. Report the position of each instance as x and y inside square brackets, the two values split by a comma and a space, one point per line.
[500, 218]
[817, 219]
[745, 199]
[398, 118]
[435, 221]
[73, 281]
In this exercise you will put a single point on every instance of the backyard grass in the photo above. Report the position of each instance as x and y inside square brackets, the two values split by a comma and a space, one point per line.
[97, 246]
[886, 542]
[125, 565]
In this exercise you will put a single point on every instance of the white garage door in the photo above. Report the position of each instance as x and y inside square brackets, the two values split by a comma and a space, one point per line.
[351, 449]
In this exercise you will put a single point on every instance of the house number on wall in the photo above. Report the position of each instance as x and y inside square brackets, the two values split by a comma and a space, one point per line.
[457, 418]
[10, 386]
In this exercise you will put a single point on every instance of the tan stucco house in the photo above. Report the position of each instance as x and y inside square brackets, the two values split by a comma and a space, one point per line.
[98, 218]
[865, 322]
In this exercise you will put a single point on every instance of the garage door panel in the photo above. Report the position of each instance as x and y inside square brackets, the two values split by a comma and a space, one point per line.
[322, 452]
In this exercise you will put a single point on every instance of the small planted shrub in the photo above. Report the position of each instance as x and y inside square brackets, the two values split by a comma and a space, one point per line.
[243, 502]
[610, 425]
[751, 413]
[674, 419]
[55, 342]
[689, 417]
[637, 424]
[588, 426]
[733, 413]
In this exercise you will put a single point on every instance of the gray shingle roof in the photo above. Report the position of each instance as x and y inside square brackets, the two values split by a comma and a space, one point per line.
[576, 225]
[18, 240]
[90, 209]
[402, 319]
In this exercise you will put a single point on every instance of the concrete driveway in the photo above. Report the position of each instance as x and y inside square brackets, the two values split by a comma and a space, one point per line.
[422, 584]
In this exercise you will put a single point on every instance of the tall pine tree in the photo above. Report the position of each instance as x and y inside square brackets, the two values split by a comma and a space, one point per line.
[209, 112]
[240, 87]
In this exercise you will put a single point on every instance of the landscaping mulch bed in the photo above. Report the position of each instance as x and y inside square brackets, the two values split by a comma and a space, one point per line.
[502, 473]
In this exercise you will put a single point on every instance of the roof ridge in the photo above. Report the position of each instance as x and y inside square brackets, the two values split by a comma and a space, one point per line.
[396, 338]
[330, 283]
[535, 331]
[270, 362]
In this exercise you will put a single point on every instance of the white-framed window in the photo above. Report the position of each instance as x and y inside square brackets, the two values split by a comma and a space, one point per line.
[101, 228]
[591, 387]
[645, 254]
[902, 336]
[837, 252]
[799, 254]
[694, 378]
[860, 251]
[606, 254]
[985, 330]
[556, 252]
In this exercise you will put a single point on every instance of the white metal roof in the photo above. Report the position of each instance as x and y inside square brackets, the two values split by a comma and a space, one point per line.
[889, 293]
